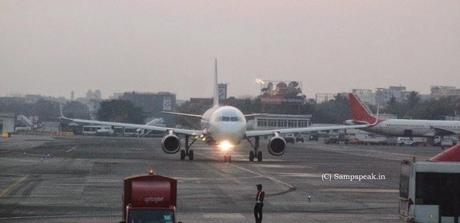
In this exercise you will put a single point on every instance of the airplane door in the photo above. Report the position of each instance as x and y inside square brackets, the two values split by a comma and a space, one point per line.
[408, 132]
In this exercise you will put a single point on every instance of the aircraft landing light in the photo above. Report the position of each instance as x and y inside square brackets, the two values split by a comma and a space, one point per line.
[225, 146]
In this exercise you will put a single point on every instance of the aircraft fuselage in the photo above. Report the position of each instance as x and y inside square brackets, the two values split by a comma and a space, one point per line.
[224, 123]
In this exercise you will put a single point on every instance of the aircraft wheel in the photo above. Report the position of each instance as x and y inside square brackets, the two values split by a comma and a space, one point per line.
[259, 156]
[182, 154]
[251, 156]
[190, 154]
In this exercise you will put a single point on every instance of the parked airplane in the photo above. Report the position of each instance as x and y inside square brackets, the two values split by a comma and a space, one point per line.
[222, 126]
[399, 127]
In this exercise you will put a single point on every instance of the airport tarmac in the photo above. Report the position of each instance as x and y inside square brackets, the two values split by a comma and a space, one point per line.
[44, 179]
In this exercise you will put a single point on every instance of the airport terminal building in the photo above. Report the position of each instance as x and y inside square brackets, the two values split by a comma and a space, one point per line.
[7, 123]
[275, 121]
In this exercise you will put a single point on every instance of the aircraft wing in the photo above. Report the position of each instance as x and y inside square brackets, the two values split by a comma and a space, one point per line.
[135, 126]
[252, 133]
[252, 115]
[184, 114]
[443, 132]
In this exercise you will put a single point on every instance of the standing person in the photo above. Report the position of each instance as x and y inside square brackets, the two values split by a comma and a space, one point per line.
[259, 203]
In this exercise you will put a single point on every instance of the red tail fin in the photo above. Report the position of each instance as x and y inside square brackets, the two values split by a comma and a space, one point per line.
[359, 112]
[450, 155]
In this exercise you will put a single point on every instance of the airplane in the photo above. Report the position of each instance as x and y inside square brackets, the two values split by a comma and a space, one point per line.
[223, 127]
[399, 127]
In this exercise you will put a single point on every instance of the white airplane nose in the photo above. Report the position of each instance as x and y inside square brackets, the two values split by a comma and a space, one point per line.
[231, 132]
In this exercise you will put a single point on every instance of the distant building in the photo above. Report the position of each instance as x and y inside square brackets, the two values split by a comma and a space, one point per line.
[384, 95]
[366, 95]
[444, 91]
[153, 104]
[324, 97]
[7, 123]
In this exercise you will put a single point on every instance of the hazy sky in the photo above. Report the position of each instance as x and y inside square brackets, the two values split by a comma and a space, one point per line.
[53, 47]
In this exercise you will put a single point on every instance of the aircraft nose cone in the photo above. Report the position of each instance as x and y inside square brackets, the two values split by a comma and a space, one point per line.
[233, 133]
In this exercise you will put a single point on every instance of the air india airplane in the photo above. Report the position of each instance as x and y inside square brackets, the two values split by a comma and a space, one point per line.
[222, 127]
[399, 127]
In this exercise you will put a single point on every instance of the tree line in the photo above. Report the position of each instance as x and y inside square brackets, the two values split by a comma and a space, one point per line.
[413, 107]
[332, 111]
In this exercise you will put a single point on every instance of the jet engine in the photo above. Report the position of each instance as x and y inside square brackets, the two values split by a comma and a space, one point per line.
[170, 144]
[276, 146]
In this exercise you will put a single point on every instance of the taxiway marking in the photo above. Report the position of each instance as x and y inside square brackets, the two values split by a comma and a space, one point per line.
[71, 149]
[12, 186]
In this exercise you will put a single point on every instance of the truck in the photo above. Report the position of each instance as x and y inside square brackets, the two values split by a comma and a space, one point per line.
[428, 190]
[149, 198]
[412, 141]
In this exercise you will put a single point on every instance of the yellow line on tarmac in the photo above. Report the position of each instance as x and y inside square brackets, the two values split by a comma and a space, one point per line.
[11, 187]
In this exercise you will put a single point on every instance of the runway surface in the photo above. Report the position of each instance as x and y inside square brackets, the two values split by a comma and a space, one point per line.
[44, 179]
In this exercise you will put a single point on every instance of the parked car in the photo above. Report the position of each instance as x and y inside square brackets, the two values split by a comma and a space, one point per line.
[290, 139]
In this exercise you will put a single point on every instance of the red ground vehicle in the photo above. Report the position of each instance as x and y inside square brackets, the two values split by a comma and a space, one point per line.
[149, 198]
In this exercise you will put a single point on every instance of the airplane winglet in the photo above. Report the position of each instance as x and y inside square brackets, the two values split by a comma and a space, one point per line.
[61, 113]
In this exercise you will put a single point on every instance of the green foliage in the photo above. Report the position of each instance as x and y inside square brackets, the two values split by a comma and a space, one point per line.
[46, 110]
[75, 109]
[120, 111]
[415, 108]
[337, 110]
[333, 111]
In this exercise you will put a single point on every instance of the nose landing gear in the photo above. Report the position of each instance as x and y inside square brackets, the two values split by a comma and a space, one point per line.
[228, 158]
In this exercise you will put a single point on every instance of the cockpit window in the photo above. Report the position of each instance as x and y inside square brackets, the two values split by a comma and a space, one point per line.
[228, 119]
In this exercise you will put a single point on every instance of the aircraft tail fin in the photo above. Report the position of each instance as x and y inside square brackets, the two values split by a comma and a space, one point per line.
[359, 111]
[450, 155]
[216, 87]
